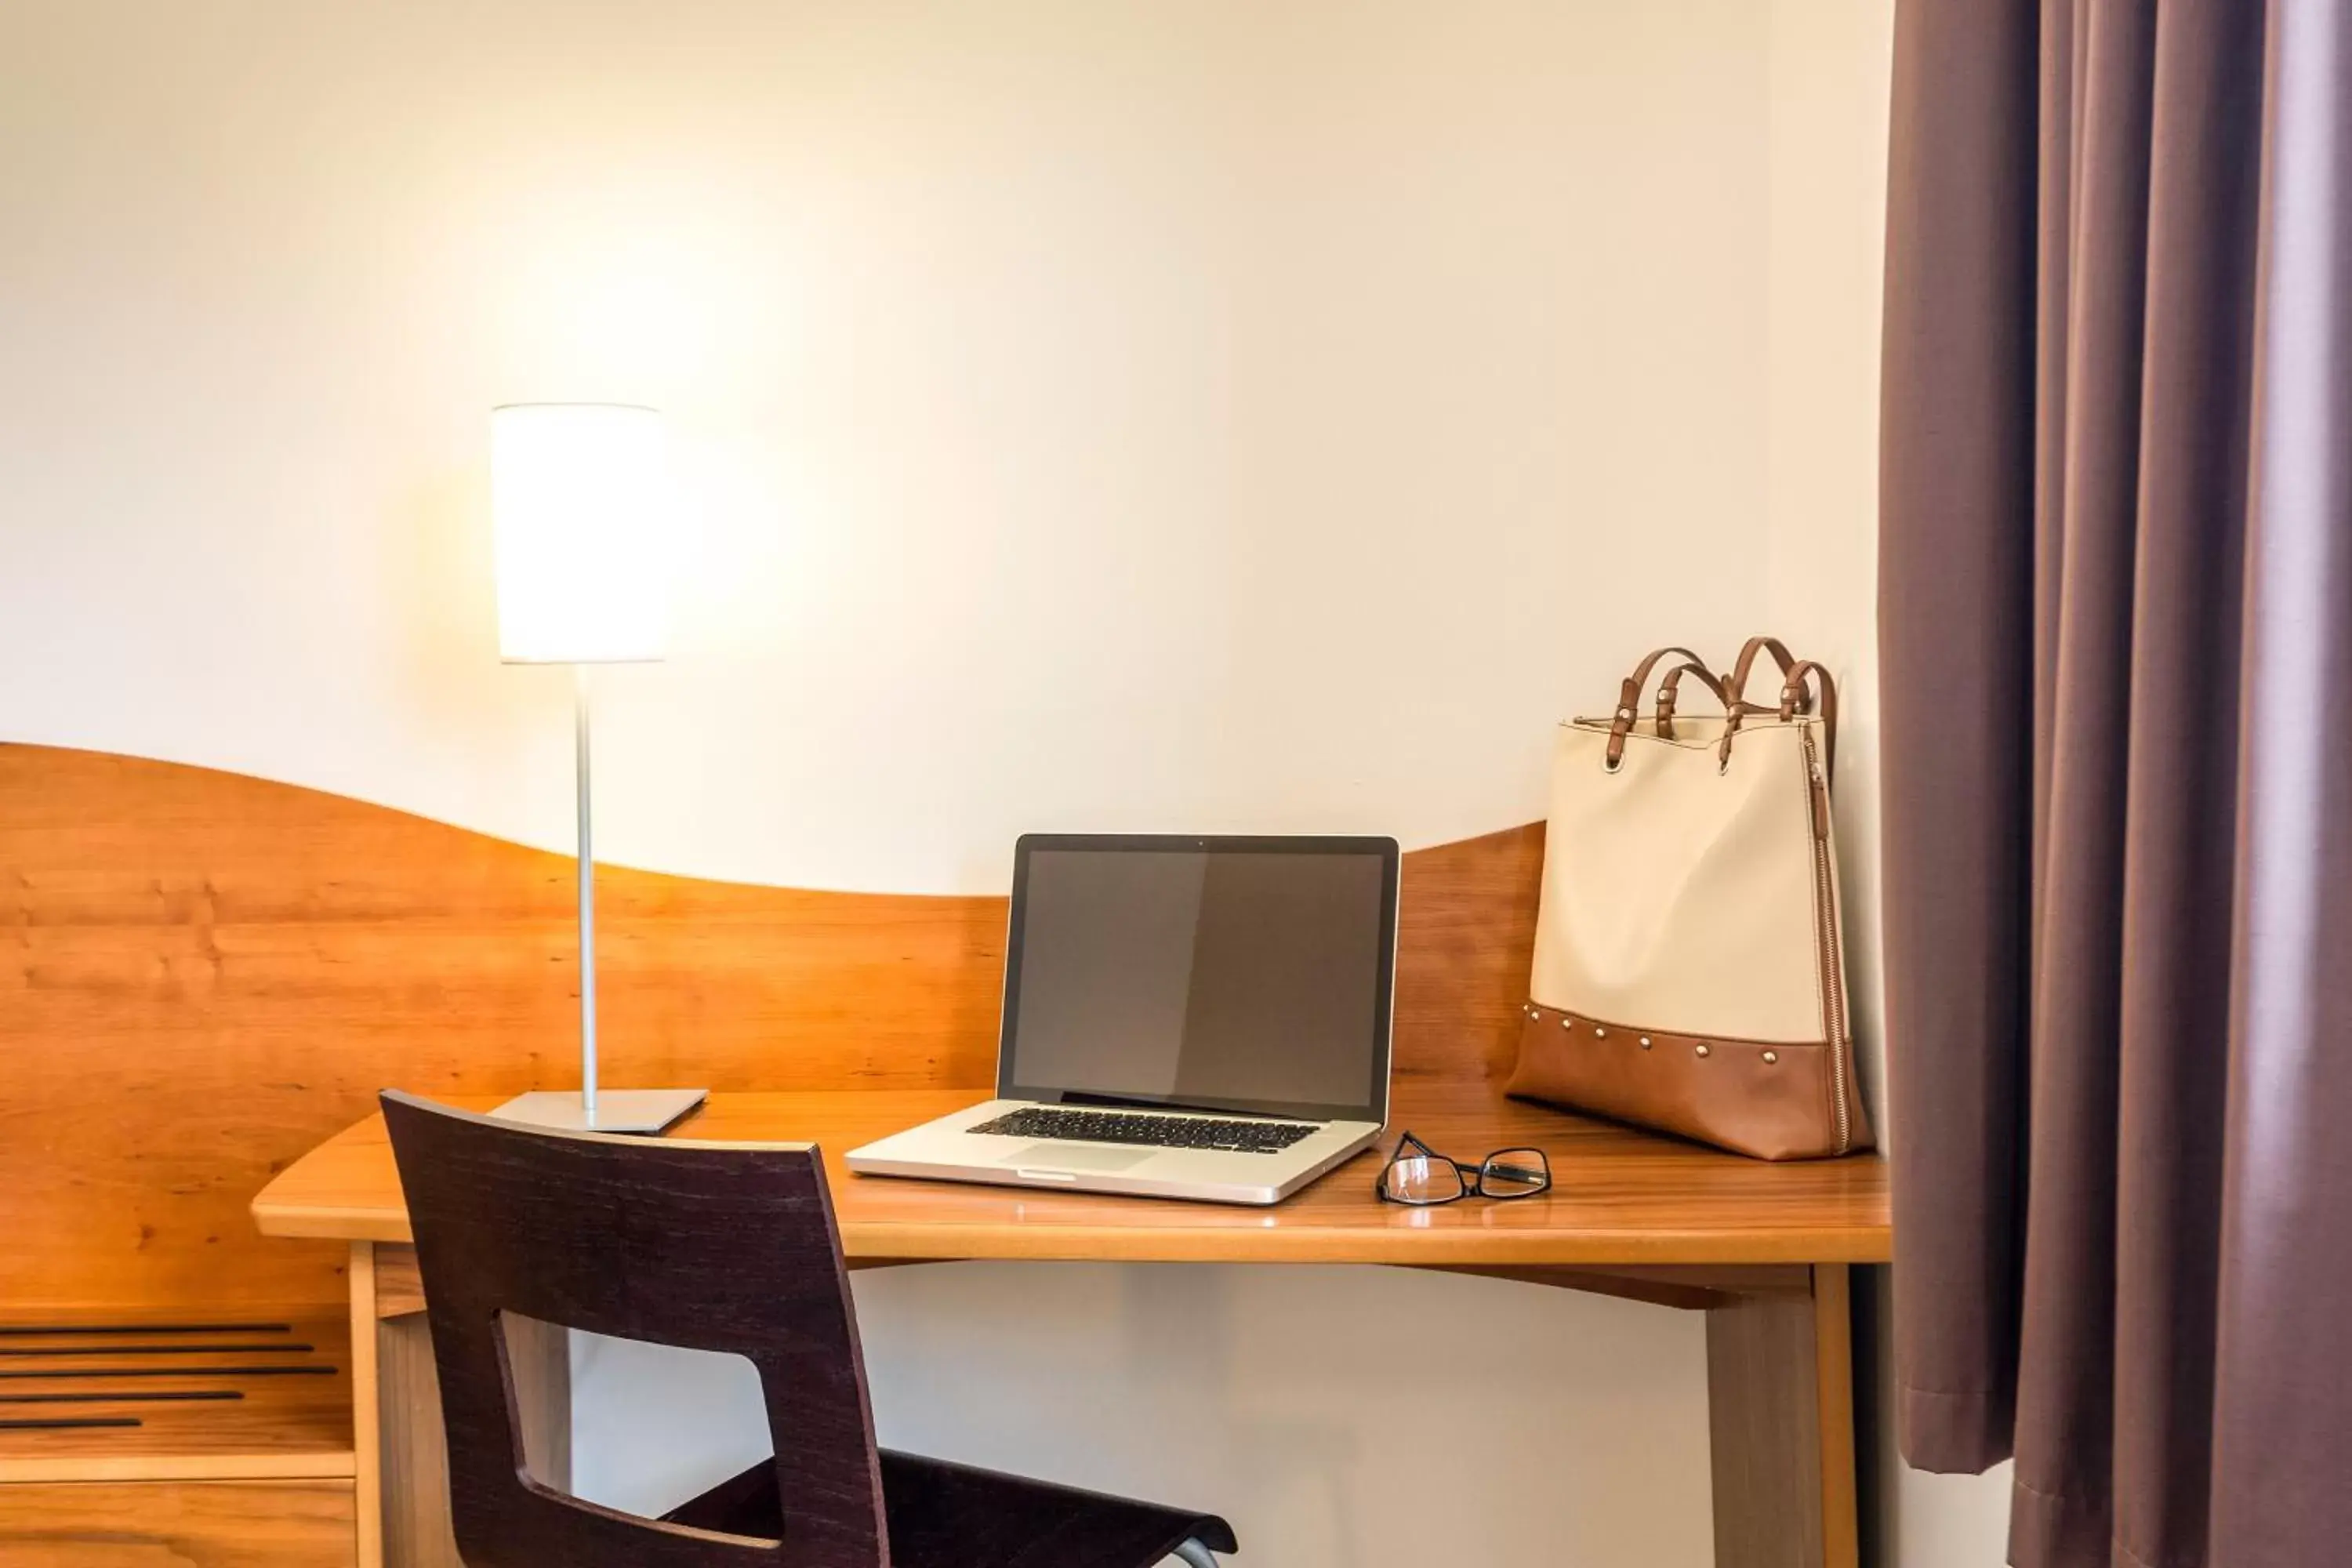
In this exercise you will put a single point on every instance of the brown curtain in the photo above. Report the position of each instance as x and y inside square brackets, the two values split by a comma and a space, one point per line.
[2116, 627]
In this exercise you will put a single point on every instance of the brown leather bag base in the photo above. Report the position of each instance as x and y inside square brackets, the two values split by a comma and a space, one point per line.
[1768, 1100]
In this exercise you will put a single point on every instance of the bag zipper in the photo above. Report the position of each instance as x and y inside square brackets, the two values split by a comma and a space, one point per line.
[1826, 946]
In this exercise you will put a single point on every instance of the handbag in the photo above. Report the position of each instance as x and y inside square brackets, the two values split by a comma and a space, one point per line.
[1689, 969]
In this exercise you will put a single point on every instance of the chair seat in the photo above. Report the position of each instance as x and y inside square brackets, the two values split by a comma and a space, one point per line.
[944, 1515]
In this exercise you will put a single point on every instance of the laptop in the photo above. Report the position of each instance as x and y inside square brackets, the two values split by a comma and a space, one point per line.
[1184, 1018]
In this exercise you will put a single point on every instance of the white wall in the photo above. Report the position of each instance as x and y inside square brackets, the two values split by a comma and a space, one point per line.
[1206, 416]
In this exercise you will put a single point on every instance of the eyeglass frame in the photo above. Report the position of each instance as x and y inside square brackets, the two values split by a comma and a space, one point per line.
[1471, 1177]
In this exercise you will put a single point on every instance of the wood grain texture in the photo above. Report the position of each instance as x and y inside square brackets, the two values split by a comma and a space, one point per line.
[414, 1527]
[1618, 1196]
[202, 976]
[367, 1404]
[1833, 1392]
[539, 1359]
[296, 1426]
[221, 1524]
[397, 1289]
[404, 1494]
[416, 1531]
[1780, 1428]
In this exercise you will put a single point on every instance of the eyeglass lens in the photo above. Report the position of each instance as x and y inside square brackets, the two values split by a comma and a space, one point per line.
[1417, 1178]
[1514, 1173]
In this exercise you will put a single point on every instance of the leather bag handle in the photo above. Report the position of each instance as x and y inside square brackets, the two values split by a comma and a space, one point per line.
[1668, 691]
[1797, 699]
[1737, 681]
[1629, 699]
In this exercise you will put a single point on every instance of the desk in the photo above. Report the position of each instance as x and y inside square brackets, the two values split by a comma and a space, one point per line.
[258, 958]
[1762, 1249]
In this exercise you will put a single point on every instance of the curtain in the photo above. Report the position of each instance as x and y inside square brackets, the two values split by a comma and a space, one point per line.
[2115, 628]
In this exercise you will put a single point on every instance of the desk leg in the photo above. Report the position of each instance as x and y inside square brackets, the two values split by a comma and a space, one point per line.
[415, 1458]
[366, 1404]
[1779, 1373]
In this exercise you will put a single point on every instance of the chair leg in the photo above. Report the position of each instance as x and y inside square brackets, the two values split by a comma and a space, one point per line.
[1193, 1554]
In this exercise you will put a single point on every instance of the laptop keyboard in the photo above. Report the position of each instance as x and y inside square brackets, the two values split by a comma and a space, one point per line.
[1158, 1131]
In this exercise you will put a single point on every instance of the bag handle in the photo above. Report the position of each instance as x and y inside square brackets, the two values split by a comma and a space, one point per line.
[1629, 699]
[1737, 681]
[1668, 691]
[1796, 699]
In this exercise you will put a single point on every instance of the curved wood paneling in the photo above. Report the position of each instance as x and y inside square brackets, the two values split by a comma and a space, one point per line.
[202, 976]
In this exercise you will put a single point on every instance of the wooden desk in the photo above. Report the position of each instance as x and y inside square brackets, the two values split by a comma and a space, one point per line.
[1762, 1249]
[209, 974]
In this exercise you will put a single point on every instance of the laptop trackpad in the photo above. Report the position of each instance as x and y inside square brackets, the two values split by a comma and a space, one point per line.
[1075, 1157]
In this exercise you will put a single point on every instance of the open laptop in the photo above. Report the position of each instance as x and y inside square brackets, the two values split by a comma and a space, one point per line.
[1184, 1018]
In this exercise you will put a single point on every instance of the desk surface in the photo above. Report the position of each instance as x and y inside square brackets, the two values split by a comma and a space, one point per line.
[1618, 1197]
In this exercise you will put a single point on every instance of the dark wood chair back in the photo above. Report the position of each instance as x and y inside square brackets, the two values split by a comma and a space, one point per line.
[713, 1247]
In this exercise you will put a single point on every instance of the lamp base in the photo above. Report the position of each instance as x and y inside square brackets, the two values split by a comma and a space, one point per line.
[640, 1110]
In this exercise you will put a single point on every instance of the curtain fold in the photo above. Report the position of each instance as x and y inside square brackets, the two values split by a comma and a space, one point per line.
[2115, 613]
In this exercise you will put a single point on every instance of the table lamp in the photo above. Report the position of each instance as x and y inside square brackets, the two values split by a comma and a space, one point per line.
[577, 499]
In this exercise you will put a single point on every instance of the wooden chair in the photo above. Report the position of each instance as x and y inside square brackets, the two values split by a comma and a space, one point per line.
[716, 1246]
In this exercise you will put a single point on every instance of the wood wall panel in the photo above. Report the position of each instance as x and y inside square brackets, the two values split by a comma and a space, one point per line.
[1465, 943]
[175, 1525]
[279, 1427]
[203, 975]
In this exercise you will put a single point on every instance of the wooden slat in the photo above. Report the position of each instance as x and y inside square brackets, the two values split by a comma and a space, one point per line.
[282, 1427]
[125, 1396]
[33, 1358]
[85, 1329]
[203, 975]
[228, 1524]
[1833, 1389]
[62, 1423]
[367, 1402]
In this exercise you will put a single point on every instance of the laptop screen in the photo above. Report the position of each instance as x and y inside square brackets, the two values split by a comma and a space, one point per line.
[1228, 973]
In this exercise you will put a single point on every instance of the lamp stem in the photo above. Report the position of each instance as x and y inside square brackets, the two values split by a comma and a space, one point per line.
[587, 902]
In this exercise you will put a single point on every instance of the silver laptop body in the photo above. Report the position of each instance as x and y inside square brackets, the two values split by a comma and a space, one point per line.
[1184, 1018]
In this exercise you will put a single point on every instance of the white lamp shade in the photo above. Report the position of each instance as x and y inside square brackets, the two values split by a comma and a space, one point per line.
[580, 506]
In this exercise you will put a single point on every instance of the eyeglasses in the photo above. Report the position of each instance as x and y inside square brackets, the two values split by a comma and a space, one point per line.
[1418, 1176]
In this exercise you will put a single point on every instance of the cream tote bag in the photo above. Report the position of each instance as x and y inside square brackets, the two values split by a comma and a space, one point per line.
[1689, 968]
